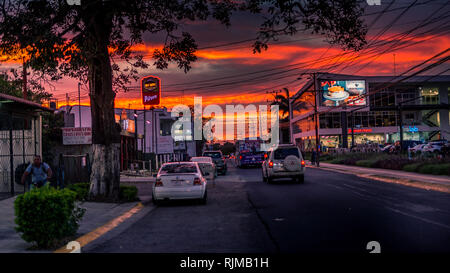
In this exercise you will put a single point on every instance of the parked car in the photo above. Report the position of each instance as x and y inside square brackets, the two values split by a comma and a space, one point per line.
[218, 159]
[179, 180]
[387, 148]
[207, 166]
[417, 148]
[284, 161]
[431, 148]
[409, 143]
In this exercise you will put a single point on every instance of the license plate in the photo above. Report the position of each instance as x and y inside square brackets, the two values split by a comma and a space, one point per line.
[177, 182]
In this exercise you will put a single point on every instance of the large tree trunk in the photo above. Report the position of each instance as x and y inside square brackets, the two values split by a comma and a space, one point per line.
[105, 176]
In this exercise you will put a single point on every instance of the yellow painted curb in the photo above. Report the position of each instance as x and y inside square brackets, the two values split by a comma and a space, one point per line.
[96, 233]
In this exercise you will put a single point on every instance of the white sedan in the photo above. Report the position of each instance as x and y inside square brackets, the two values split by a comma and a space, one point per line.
[207, 166]
[431, 148]
[179, 180]
[417, 148]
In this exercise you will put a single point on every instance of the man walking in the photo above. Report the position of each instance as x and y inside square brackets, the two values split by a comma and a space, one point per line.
[40, 173]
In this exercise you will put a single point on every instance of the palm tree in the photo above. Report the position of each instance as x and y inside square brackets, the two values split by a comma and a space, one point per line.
[283, 102]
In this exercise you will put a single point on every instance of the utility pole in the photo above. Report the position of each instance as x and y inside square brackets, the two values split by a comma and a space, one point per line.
[316, 119]
[136, 133]
[395, 67]
[24, 67]
[353, 128]
[145, 133]
[400, 121]
[79, 103]
[276, 100]
[291, 134]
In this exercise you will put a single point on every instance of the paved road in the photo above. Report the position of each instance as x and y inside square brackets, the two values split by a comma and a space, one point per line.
[330, 212]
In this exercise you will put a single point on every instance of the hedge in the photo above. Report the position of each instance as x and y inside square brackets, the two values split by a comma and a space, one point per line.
[126, 193]
[414, 167]
[370, 163]
[45, 216]
[438, 169]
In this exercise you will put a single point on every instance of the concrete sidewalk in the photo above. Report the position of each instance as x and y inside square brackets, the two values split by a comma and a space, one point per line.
[426, 181]
[97, 214]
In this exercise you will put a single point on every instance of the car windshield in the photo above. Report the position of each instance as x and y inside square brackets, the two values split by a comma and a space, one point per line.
[212, 154]
[178, 168]
[283, 153]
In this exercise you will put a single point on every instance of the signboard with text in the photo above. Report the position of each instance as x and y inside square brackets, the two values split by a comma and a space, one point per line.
[77, 136]
[151, 90]
[350, 92]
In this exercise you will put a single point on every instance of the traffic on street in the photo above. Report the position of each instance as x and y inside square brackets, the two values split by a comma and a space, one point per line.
[329, 213]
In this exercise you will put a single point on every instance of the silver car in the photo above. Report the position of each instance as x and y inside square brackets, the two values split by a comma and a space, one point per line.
[284, 161]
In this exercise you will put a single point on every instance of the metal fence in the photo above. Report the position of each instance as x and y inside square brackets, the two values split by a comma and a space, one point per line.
[19, 142]
[74, 169]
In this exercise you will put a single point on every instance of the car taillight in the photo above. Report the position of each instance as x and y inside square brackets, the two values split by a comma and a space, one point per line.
[240, 157]
[265, 155]
[270, 164]
[158, 182]
[303, 163]
[197, 181]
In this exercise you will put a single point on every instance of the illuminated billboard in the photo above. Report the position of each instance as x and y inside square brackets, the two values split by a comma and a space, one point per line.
[151, 90]
[335, 93]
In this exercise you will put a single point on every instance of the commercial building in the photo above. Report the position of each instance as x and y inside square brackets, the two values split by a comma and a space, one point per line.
[145, 135]
[374, 106]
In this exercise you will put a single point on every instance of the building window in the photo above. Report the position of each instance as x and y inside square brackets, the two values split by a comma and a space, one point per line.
[429, 95]
[165, 126]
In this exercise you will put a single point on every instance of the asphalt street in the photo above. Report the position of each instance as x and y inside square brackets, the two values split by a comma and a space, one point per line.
[330, 213]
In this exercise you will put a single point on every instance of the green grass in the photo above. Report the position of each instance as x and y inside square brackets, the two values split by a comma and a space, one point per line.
[438, 169]
[414, 167]
[369, 163]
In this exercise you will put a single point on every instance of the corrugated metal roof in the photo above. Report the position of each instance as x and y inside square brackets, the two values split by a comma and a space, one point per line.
[24, 101]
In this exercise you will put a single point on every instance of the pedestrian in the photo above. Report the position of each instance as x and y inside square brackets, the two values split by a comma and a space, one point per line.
[40, 173]
[313, 157]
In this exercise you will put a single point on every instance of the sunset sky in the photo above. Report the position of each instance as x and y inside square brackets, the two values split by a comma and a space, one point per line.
[233, 74]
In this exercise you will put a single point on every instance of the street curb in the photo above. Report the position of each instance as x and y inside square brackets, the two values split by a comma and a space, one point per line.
[393, 180]
[100, 231]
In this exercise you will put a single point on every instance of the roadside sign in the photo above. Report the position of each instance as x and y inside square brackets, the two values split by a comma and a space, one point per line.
[77, 136]
[151, 90]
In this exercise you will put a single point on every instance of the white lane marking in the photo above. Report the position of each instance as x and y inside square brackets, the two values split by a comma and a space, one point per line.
[419, 218]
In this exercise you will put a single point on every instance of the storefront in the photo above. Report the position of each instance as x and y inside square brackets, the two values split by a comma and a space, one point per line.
[373, 107]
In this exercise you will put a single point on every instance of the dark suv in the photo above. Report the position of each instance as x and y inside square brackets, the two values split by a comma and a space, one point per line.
[218, 159]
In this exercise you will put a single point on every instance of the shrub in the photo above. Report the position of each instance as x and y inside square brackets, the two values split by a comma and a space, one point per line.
[81, 189]
[370, 163]
[392, 163]
[128, 193]
[46, 215]
[414, 167]
[426, 168]
[438, 169]
[336, 161]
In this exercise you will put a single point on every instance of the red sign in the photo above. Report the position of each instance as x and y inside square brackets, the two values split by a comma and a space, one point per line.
[360, 131]
[151, 90]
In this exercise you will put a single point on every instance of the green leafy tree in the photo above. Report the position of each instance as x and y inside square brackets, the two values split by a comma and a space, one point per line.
[85, 41]
[11, 84]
